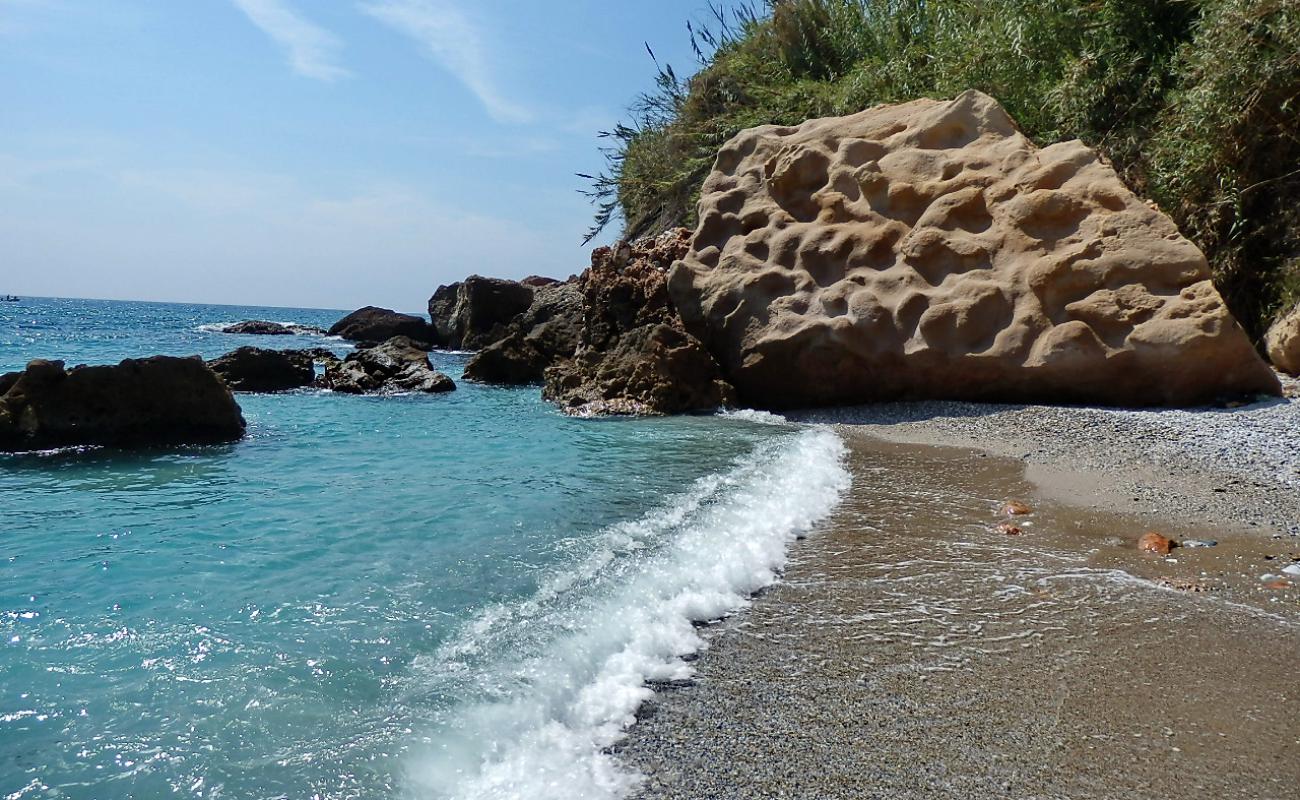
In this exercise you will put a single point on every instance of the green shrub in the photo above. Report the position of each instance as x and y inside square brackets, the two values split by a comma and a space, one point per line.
[1194, 101]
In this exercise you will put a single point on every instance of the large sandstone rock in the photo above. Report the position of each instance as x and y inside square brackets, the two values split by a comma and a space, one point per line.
[548, 332]
[139, 402]
[398, 365]
[1283, 342]
[473, 313]
[633, 356]
[374, 324]
[253, 369]
[931, 250]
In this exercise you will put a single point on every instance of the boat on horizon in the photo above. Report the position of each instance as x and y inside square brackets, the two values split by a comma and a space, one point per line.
[9, 298]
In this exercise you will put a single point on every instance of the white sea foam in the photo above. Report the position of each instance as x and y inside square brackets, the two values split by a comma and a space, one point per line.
[552, 682]
[752, 415]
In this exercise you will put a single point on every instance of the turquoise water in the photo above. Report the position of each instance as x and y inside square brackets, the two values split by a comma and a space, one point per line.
[458, 595]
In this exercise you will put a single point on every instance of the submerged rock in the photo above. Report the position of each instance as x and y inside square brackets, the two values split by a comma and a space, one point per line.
[398, 365]
[374, 324]
[1283, 342]
[930, 250]
[549, 331]
[261, 327]
[139, 402]
[473, 313]
[254, 369]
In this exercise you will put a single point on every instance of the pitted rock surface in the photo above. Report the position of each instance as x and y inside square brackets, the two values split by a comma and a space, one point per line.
[1283, 342]
[929, 249]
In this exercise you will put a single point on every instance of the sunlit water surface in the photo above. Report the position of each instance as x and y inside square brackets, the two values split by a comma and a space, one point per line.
[437, 596]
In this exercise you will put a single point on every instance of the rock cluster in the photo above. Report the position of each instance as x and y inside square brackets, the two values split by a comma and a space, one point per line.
[473, 313]
[1283, 342]
[548, 331]
[633, 355]
[139, 402]
[374, 324]
[930, 250]
[398, 365]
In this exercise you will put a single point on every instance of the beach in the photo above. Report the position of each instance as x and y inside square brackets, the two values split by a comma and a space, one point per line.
[914, 650]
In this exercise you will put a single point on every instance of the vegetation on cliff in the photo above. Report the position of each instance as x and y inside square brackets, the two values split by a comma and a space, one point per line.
[1196, 102]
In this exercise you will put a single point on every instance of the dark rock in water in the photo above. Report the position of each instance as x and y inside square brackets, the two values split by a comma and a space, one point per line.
[477, 311]
[397, 365]
[634, 355]
[512, 361]
[442, 315]
[139, 402]
[373, 324]
[319, 355]
[253, 369]
[261, 327]
[653, 369]
[549, 331]
[258, 327]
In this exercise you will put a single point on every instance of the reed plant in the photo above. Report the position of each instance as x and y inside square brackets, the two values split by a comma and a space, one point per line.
[1193, 101]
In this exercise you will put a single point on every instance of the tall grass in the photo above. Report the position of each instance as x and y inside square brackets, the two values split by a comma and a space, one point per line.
[1194, 101]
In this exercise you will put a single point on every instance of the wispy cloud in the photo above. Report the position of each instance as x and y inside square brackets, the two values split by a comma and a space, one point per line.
[455, 42]
[311, 49]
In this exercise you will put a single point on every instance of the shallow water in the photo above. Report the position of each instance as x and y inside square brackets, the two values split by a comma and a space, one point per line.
[440, 596]
[914, 651]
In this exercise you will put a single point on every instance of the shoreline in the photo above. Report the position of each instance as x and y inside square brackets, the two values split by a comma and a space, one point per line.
[909, 651]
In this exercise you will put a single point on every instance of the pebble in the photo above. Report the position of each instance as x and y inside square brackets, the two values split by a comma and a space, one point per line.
[1294, 569]
[1199, 543]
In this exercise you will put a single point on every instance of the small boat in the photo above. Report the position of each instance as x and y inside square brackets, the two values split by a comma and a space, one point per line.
[9, 298]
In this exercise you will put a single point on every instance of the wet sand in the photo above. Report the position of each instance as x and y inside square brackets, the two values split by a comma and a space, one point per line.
[913, 650]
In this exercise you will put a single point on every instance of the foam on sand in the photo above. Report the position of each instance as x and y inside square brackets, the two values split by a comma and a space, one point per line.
[552, 682]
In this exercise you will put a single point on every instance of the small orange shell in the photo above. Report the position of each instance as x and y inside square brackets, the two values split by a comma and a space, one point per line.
[1015, 508]
[1152, 542]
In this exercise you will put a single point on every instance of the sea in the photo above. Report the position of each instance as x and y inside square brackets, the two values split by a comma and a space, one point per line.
[446, 596]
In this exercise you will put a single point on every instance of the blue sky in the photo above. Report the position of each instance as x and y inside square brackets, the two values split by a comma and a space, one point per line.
[327, 153]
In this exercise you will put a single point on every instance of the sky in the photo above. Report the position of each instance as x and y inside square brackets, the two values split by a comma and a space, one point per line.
[309, 153]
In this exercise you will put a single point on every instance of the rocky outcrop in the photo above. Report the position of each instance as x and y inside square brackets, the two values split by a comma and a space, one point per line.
[254, 369]
[374, 324]
[474, 313]
[140, 402]
[548, 332]
[1283, 342]
[650, 370]
[261, 327]
[633, 355]
[398, 365]
[931, 250]
[538, 281]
